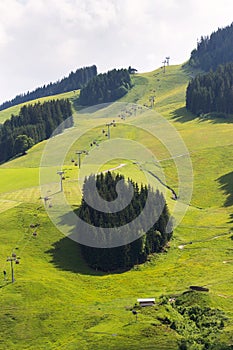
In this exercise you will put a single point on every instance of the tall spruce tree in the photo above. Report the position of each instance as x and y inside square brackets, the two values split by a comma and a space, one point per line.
[211, 92]
[106, 87]
[213, 50]
[136, 252]
[33, 124]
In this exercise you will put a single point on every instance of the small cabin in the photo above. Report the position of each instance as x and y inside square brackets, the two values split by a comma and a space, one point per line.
[146, 302]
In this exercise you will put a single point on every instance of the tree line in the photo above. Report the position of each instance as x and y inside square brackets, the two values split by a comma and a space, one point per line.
[214, 50]
[212, 91]
[34, 123]
[75, 80]
[136, 252]
[106, 87]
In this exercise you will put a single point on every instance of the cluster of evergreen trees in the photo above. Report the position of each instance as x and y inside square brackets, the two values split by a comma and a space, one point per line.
[211, 92]
[75, 80]
[106, 87]
[214, 50]
[33, 124]
[125, 256]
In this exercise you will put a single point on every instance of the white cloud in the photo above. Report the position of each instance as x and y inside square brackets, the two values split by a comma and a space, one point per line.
[41, 41]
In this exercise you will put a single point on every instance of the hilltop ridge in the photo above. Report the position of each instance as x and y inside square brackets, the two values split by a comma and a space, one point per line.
[75, 81]
[53, 279]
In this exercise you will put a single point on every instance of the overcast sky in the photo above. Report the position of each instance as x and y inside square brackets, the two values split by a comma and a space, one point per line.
[43, 40]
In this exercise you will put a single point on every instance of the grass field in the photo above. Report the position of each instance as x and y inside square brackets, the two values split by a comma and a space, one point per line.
[6, 113]
[57, 302]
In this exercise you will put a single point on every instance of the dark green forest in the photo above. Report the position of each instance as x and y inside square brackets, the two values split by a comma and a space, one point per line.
[33, 124]
[106, 87]
[213, 50]
[75, 80]
[136, 252]
[212, 91]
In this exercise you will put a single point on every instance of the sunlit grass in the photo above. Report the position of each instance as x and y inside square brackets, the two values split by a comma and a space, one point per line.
[6, 113]
[57, 302]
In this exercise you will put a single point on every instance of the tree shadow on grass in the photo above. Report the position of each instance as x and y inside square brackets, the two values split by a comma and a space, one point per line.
[66, 255]
[89, 109]
[226, 182]
[182, 115]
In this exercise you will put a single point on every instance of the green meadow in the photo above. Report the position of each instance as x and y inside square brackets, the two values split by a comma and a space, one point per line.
[6, 113]
[57, 301]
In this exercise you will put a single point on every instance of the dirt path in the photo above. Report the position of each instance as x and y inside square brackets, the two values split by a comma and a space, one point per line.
[174, 157]
[117, 167]
[182, 246]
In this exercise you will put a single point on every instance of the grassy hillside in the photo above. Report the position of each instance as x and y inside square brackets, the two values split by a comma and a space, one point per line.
[57, 302]
[6, 113]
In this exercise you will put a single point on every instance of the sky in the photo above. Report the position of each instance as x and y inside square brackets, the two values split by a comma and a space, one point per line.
[44, 40]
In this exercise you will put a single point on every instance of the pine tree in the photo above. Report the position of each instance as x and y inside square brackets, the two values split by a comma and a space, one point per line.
[211, 92]
[106, 87]
[136, 252]
[36, 122]
[76, 80]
